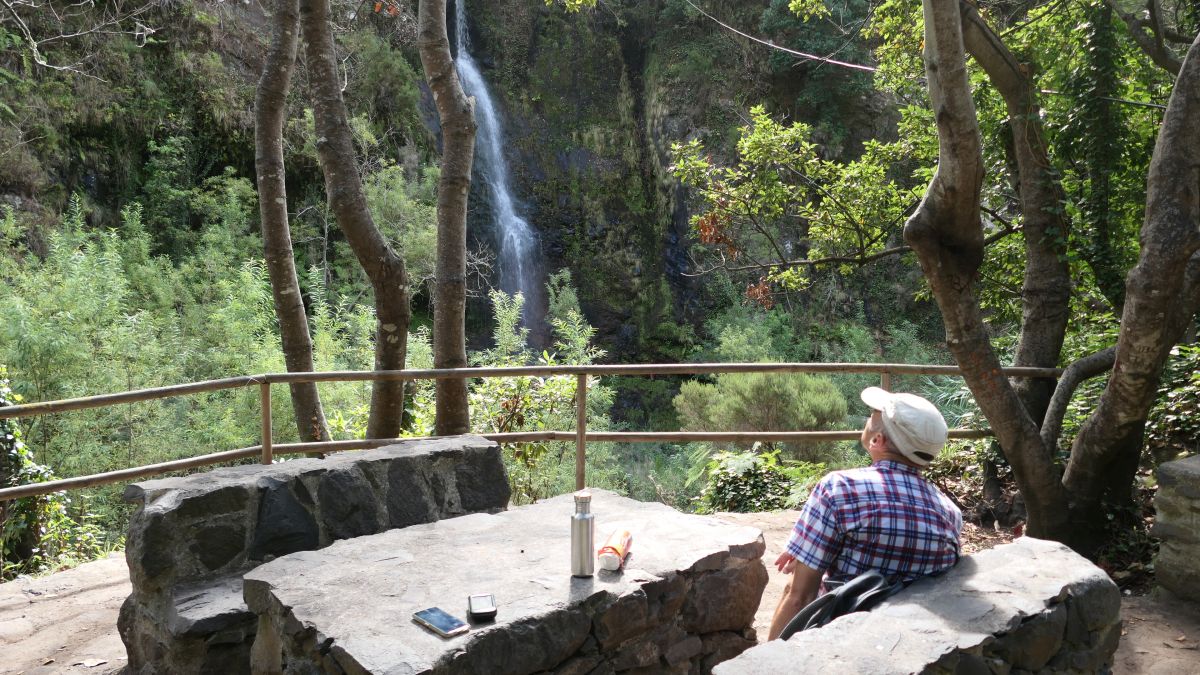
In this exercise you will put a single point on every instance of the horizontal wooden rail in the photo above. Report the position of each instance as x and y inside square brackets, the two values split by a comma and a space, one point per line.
[320, 447]
[267, 449]
[120, 475]
[648, 369]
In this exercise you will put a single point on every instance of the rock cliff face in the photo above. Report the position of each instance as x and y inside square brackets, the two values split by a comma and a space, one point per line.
[592, 102]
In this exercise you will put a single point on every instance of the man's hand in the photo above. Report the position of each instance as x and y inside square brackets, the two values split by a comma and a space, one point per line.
[801, 589]
[785, 563]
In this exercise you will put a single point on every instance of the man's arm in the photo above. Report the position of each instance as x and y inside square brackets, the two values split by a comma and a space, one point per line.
[801, 590]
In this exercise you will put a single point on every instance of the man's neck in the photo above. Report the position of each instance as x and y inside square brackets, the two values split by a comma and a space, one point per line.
[899, 459]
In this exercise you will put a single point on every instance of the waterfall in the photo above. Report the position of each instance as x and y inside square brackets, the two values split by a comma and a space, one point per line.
[518, 268]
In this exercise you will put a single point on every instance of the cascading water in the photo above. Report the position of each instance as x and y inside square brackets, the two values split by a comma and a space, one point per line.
[518, 269]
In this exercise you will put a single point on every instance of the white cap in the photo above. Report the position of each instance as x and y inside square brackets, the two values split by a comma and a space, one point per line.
[610, 561]
[913, 425]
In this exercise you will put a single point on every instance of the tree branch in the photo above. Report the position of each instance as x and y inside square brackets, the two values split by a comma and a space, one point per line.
[1075, 374]
[857, 259]
[108, 24]
[772, 45]
[1149, 39]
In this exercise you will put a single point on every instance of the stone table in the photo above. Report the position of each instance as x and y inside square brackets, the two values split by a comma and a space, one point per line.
[685, 602]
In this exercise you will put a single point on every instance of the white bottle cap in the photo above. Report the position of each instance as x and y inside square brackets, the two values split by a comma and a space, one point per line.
[610, 561]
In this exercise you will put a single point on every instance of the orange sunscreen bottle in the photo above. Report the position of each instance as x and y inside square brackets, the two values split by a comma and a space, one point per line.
[616, 548]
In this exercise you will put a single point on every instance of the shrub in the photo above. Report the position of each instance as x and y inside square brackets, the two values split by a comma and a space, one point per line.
[744, 482]
[1173, 425]
[763, 402]
[36, 534]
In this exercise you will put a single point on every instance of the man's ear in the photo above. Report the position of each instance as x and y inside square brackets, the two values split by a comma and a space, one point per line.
[878, 440]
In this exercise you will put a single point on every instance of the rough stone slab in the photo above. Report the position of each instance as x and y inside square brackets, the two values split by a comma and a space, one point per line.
[217, 490]
[191, 538]
[223, 521]
[1181, 477]
[209, 608]
[1177, 525]
[354, 600]
[964, 619]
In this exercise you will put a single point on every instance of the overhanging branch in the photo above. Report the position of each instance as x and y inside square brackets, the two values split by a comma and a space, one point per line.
[857, 259]
[1084, 369]
[1148, 35]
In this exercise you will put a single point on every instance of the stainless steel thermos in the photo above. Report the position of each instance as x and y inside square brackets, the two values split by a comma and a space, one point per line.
[583, 537]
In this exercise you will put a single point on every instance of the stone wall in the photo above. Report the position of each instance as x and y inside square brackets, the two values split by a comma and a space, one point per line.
[191, 538]
[1177, 526]
[1031, 606]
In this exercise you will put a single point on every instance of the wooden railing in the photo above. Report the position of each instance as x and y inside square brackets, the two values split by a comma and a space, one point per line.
[267, 449]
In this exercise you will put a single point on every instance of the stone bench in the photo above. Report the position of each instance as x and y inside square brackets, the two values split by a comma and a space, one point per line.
[1031, 606]
[191, 539]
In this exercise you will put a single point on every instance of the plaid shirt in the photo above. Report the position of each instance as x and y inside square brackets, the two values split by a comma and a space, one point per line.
[884, 517]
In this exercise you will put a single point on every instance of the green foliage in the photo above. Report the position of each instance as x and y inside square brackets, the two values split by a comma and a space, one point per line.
[101, 314]
[745, 482]
[780, 192]
[36, 533]
[542, 469]
[762, 402]
[1173, 426]
[499, 405]
[752, 481]
[384, 85]
[1091, 332]
[808, 9]
[1095, 134]
[167, 191]
[405, 210]
[573, 5]
[829, 98]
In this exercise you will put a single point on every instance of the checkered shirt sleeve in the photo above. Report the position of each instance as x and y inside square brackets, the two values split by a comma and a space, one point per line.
[816, 538]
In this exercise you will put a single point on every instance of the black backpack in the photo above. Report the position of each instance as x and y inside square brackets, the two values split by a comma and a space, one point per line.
[860, 594]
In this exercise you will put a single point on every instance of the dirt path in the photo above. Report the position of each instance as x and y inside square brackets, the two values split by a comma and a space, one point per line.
[67, 622]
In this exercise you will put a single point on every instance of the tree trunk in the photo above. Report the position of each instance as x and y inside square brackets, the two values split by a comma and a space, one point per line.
[1046, 291]
[270, 110]
[947, 236]
[383, 266]
[1161, 298]
[457, 118]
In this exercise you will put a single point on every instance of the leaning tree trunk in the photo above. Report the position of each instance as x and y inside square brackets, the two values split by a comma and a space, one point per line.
[270, 108]
[458, 148]
[1046, 290]
[947, 236]
[1162, 296]
[383, 266]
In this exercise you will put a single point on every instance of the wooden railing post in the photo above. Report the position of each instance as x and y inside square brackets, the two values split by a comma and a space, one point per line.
[265, 396]
[580, 430]
[885, 380]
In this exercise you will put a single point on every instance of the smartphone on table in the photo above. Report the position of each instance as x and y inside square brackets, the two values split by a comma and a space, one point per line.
[440, 622]
[481, 607]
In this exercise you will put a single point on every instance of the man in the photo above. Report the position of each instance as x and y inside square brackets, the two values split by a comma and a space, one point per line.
[884, 517]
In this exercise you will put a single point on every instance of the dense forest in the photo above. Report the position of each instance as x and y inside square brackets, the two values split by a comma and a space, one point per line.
[655, 181]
